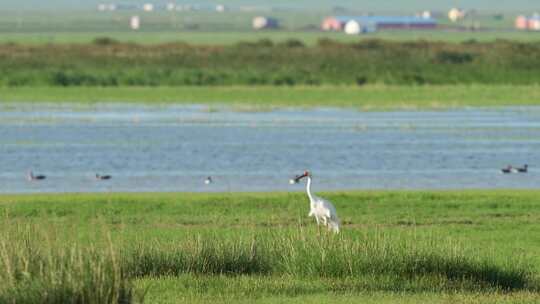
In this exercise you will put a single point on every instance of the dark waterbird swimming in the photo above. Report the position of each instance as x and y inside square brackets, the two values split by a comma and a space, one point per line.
[506, 170]
[523, 169]
[102, 177]
[31, 177]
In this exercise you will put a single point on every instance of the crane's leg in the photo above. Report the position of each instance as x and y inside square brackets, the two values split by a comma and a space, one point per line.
[318, 224]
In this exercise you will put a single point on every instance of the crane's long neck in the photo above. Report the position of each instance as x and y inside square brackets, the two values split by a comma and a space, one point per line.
[308, 188]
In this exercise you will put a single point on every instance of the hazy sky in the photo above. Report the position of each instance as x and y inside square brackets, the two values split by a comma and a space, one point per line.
[409, 5]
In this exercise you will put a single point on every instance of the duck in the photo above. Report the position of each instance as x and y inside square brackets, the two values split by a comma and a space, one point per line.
[31, 177]
[506, 170]
[102, 177]
[523, 169]
[208, 180]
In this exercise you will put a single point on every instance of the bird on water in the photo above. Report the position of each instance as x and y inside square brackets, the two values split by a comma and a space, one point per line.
[523, 169]
[103, 177]
[323, 210]
[31, 177]
[506, 170]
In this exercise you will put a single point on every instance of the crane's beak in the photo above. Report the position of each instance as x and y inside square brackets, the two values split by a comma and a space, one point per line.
[298, 178]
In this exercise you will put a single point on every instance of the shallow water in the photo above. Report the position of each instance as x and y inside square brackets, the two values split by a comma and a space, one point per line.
[173, 148]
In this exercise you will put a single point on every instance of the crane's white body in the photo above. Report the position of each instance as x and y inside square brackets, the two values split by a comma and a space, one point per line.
[322, 210]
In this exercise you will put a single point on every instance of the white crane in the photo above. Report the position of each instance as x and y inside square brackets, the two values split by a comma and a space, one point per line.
[323, 211]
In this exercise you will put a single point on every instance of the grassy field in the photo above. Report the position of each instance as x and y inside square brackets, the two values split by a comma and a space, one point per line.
[395, 247]
[369, 97]
[227, 38]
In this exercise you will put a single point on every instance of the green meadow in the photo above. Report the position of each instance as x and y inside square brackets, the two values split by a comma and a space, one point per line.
[369, 74]
[368, 97]
[229, 38]
[395, 246]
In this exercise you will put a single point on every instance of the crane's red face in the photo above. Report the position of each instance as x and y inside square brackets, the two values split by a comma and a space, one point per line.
[299, 177]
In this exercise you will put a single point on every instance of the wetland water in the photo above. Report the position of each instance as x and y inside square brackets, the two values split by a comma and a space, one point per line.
[173, 148]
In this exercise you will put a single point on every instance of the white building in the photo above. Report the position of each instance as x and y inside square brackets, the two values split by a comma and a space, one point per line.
[455, 14]
[135, 23]
[261, 22]
[220, 8]
[102, 7]
[148, 7]
[354, 27]
[534, 24]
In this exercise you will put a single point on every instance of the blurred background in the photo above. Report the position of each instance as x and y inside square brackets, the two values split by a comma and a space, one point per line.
[81, 21]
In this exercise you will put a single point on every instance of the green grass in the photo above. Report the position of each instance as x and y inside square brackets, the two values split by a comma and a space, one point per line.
[229, 38]
[369, 97]
[396, 247]
[109, 63]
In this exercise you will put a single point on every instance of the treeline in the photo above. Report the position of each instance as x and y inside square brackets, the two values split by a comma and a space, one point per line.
[110, 63]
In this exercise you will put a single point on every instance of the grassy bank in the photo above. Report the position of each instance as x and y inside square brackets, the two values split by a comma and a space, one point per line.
[370, 97]
[109, 63]
[406, 247]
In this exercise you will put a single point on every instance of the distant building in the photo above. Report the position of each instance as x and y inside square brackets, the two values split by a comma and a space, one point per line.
[425, 14]
[364, 24]
[455, 14]
[221, 8]
[102, 7]
[528, 23]
[334, 23]
[355, 27]
[135, 22]
[522, 23]
[534, 23]
[148, 7]
[261, 22]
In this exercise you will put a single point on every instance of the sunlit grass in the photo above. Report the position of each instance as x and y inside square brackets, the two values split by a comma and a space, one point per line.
[39, 266]
[376, 261]
[244, 98]
[471, 246]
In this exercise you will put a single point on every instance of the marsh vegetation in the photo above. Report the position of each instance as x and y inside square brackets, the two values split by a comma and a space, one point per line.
[122, 248]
